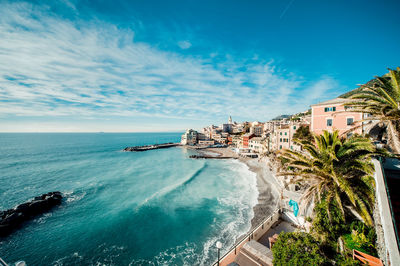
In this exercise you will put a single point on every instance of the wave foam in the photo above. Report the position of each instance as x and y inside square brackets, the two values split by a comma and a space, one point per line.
[72, 196]
[174, 187]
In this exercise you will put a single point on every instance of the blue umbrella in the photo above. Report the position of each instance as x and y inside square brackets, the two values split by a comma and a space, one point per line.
[295, 206]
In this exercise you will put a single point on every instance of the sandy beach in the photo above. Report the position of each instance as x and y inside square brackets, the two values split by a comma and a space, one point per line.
[268, 188]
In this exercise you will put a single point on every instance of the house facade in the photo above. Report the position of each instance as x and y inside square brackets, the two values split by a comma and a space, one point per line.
[189, 138]
[245, 140]
[256, 145]
[333, 115]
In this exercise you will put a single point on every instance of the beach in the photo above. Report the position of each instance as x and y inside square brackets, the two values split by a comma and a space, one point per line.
[267, 185]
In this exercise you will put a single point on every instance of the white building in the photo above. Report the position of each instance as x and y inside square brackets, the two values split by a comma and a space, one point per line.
[189, 138]
[257, 145]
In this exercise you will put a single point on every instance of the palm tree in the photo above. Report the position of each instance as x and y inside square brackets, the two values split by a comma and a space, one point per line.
[337, 169]
[381, 99]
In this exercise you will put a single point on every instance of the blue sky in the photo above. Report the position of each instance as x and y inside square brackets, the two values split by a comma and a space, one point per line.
[126, 66]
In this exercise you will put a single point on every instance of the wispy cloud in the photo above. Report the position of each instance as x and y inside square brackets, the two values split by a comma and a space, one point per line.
[286, 9]
[184, 44]
[52, 66]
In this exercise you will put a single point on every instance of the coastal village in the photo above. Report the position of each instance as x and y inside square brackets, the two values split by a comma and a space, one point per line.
[200, 133]
[254, 139]
[278, 150]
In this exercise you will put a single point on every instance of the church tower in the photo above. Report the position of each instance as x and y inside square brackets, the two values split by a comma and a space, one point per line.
[230, 120]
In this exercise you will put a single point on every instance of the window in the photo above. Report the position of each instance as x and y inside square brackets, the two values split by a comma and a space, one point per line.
[291, 147]
[330, 109]
[280, 140]
[329, 122]
[350, 121]
[294, 127]
[280, 147]
[281, 133]
[285, 133]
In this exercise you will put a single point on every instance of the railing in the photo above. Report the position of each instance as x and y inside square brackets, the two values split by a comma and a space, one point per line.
[366, 259]
[249, 235]
[3, 263]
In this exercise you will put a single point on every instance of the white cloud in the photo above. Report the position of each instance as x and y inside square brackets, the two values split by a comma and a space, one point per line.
[184, 44]
[56, 67]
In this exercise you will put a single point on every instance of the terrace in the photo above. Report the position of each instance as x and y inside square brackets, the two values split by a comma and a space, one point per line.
[255, 247]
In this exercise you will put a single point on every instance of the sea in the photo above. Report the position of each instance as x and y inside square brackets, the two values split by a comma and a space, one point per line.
[156, 207]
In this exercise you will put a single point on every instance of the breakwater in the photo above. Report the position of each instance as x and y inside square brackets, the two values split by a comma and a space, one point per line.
[152, 147]
[210, 157]
[13, 218]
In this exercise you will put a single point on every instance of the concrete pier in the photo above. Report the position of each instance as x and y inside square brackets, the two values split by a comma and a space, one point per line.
[152, 147]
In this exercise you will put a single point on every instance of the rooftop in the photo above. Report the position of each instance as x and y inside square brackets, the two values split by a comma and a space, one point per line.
[333, 101]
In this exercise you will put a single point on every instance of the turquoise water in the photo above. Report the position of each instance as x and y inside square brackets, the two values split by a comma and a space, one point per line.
[121, 208]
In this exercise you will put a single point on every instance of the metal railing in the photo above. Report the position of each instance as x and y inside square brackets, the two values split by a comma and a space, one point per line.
[249, 235]
[3, 263]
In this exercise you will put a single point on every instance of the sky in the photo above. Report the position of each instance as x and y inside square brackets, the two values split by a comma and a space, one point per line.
[165, 66]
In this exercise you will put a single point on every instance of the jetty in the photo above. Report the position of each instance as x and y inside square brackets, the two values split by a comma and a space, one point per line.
[152, 147]
[210, 157]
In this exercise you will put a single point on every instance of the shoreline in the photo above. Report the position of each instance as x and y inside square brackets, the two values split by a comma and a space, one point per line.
[268, 189]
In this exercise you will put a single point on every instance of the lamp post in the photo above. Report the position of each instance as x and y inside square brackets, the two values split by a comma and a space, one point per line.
[219, 246]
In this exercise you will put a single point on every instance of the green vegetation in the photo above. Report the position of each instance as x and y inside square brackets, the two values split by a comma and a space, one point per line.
[381, 99]
[302, 134]
[328, 227]
[297, 249]
[298, 116]
[361, 237]
[338, 169]
[339, 174]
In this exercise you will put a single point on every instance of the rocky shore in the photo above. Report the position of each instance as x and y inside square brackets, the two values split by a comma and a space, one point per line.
[13, 218]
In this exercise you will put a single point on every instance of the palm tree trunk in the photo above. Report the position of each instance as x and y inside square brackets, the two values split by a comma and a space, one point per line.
[393, 138]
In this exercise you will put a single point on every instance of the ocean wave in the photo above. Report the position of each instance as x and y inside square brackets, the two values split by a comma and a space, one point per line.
[42, 219]
[185, 254]
[108, 257]
[174, 187]
[72, 196]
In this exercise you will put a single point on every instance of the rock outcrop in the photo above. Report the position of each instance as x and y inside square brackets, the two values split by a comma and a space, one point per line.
[13, 218]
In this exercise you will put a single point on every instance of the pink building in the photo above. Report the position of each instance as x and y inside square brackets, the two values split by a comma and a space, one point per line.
[332, 115]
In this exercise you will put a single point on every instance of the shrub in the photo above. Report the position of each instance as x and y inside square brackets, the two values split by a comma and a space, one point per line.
[297, 249]
[328, 228]
[303, 134]
[361, 238]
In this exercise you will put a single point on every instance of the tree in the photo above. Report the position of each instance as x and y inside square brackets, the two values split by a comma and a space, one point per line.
[381, 99]
[324, 228]
[337, 169]
[303, 134]
[297, 248]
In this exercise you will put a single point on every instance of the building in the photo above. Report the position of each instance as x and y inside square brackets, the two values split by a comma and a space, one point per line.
[206, 142]
[333, 115]
[237, 128]
[227, 128]
[189, 138]
[236, 140]
[257, 145]
[245, 140]
[257, 129]
[282, 138]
